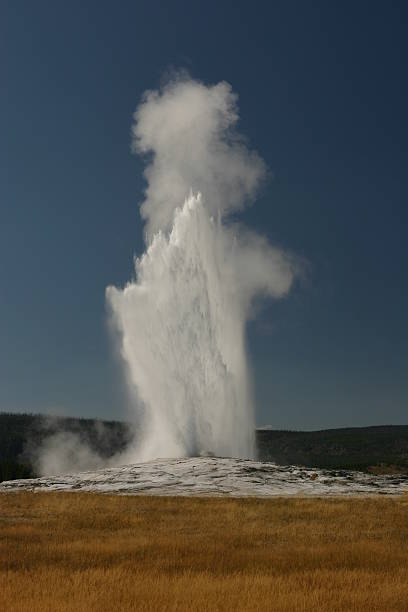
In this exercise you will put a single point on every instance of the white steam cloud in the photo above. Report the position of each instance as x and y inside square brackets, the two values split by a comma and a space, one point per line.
[182, 320]
[65, 452]
[188, 128]
[65, 445]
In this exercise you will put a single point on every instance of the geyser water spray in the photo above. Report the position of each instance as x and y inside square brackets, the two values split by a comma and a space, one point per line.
[182, 320]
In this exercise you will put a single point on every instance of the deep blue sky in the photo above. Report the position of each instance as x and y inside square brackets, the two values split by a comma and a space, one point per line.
[323, 98]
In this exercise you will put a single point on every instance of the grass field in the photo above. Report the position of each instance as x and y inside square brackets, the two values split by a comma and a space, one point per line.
[92, 552]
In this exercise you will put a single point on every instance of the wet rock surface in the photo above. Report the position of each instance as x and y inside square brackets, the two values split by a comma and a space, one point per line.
[216, 476]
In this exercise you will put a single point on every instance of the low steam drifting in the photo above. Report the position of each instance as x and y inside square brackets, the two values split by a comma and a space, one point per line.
[182, 320]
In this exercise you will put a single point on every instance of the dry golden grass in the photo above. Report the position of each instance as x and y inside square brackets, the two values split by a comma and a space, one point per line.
[74, 551]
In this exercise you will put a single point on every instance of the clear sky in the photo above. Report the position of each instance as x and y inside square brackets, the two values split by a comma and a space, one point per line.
[323, 97]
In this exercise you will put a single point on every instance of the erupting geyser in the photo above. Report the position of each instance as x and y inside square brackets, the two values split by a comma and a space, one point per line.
[182, 320]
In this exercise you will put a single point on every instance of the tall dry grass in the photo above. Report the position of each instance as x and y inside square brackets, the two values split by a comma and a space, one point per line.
[61, 552]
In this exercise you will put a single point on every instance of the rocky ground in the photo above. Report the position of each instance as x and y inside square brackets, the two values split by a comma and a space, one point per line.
[216, 476]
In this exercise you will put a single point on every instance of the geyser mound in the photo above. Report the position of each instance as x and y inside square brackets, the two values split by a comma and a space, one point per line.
[216, 476]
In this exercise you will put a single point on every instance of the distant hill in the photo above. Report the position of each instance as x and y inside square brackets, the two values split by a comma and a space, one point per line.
[382, 448]
[379, 448]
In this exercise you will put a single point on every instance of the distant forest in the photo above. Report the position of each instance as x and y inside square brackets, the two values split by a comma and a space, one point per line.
[378, 449]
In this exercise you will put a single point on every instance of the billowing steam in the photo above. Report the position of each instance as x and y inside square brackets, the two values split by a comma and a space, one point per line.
[188, 129]
[182, 320]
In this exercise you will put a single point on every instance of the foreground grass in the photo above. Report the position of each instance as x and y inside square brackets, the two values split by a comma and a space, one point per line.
[74, 551]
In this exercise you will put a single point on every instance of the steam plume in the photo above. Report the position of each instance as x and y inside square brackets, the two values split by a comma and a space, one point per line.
[182, 320]
[188, 128]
